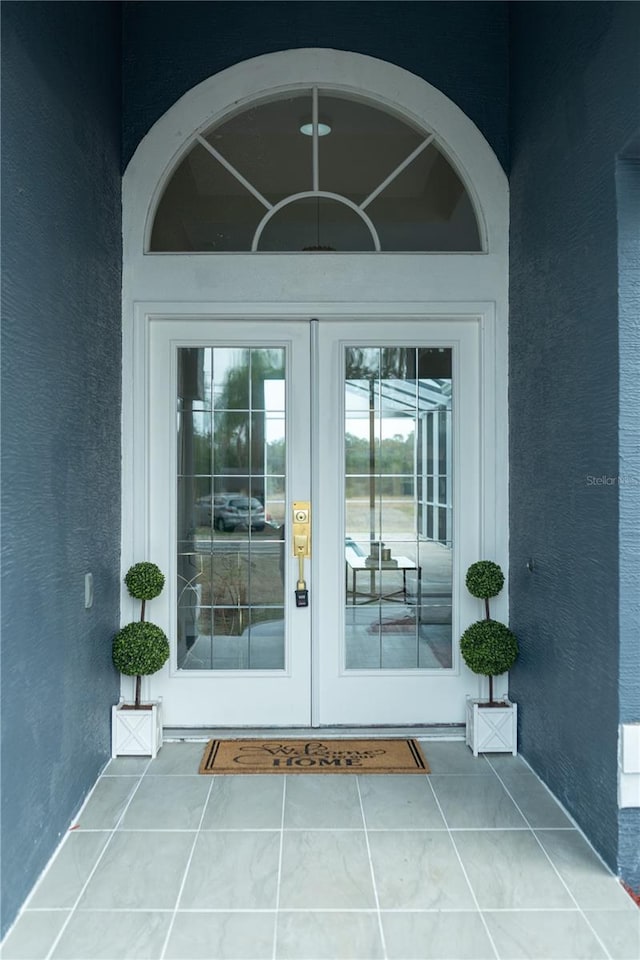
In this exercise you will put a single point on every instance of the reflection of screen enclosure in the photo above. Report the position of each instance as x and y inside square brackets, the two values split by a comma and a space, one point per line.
[398, 507]
[231, 499]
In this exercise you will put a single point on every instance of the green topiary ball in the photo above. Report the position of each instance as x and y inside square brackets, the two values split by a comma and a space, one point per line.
[140, 648]
[484, 579]
[489, 647]
[144, 580]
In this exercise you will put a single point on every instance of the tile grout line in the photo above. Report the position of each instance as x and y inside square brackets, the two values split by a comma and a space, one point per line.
[196, 776]
[372, 872]
[465, 874]
[75, 909]
[574, 825]
[372, 910]
[523, 829]
[99, 858]
[186, 870]
[72, 824]
[279, 877]
[555, 869]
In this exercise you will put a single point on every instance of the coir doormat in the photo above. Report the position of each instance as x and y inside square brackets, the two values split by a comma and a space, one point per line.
[313, 756]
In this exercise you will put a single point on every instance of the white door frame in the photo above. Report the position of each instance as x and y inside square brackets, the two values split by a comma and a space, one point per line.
[491, 516]
[262, 285]
[392, 695]
[243, 697]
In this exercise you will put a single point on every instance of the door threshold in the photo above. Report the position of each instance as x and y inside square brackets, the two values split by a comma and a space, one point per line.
[446, 731]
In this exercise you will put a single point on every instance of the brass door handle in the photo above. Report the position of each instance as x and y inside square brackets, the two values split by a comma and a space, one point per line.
[301, 526]
[300, 548]
[301, 544]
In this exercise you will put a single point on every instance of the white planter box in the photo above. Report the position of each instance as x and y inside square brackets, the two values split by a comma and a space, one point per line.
[492, 729]
[136, 733]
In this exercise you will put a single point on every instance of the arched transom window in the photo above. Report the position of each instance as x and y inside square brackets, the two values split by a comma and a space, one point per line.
[314, 170]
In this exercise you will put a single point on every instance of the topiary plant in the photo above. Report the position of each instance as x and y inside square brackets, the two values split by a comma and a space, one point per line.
[488, 647]
[141, 648]
[144, 582]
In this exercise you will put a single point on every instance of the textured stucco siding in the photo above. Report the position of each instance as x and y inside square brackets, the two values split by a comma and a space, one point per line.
[573, 106]
[460, 48]
[67, 127]
[61, 255]
[628, 182]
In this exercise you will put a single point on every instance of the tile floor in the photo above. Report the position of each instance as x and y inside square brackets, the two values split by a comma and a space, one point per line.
[474, 861]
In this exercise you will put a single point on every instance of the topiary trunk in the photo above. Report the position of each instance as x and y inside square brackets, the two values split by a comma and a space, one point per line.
[138, 695]
[487, 616]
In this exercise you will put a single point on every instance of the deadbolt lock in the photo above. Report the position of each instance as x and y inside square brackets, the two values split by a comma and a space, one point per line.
[301, 528]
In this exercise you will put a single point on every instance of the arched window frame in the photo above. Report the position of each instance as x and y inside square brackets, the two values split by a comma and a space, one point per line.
[430, 137]
[237, 87]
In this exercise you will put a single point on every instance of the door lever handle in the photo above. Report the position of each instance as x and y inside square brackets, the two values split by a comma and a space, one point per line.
[302, 594]
[301, 548]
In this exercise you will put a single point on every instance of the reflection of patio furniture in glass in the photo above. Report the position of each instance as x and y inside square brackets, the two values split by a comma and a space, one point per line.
[355, 564]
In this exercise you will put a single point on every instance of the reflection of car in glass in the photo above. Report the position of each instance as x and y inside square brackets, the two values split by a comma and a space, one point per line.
[232, 512]
[203, 514]
[202, 511]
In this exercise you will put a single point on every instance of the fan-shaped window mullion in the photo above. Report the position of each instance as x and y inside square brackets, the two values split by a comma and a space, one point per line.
[389, 172]
[315, 173]
[394, 173]
[235, 173]
[319, 195]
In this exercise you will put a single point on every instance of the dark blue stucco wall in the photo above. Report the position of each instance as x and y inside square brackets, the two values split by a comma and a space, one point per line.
[575, 76]
[628, 195]
[61, 253]
[460, 48]
[574, 102]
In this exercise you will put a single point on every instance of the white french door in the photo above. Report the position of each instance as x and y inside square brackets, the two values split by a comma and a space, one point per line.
[376, 423]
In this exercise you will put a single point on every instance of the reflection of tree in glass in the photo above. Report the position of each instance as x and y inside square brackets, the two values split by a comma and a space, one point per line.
[393, 463]
[240, 433]
[228, 590]
[238, 593]
[276, 461]
[394, 456]
[371, 363]
[398, 363]
[232, 435]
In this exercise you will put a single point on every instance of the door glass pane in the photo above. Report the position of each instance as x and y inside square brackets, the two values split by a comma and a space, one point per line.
[398, 509]
[231, 496]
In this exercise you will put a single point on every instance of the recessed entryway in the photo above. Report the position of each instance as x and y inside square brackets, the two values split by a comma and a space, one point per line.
[374, 390]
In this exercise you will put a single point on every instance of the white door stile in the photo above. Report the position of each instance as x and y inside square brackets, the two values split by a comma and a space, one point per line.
[390, 696]
[242, 698]
[315, 460]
